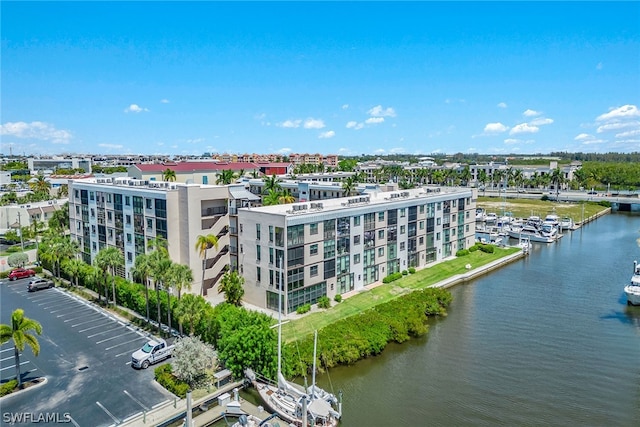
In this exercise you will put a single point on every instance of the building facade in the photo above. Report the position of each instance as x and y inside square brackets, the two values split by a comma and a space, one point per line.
[128, 214]
[341, 245]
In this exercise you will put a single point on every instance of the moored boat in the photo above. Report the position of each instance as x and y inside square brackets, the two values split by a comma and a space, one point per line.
[566, 223]
[532, 233]
[632, 290]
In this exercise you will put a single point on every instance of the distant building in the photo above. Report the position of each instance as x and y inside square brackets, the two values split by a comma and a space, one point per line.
[36, 164]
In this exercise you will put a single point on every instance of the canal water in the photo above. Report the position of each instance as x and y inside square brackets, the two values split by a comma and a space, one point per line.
[548, 340]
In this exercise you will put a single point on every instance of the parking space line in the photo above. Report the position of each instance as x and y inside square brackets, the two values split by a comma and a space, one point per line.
[103, 332]
[108, 413]
[118, 345]
[56, 304]
[65, 308]
[10, 357]
[73, 421]
[47, 298]
[88, 321]
[93, 327]
[6, 349]
[136, 400]
[127, 352]
[14, 366]
[76, 312]
[109, 339]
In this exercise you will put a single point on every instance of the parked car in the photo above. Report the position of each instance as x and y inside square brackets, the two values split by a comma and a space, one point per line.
[153, 351]
[39, 283]
[21, 273]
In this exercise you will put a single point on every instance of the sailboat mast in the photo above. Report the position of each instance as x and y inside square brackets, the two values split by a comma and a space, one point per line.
[280, 323]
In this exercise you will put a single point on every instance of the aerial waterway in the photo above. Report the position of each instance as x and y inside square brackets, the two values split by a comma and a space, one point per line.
[547, 340]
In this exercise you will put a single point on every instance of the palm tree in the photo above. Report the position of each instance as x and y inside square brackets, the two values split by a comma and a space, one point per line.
[108, 259]
[41, 186]
[226, 177]
[59, 221]
[285, 197]
[73, 268]
[96, 277]
[557, 178]
[482, 178]
[271, 183]
[160, 267]
[142, 271]
[180, 277]
[232, 287]
[190, 310]
[348, 186]
[273, 198]
[20, 332]
[465, 175]
[169, 175]
[203, 243]
[36, 228]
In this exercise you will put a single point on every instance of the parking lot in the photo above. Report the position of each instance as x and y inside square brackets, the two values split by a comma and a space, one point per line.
[85, 355]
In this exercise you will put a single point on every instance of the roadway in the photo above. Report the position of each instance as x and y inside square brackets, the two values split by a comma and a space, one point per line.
[85, 354]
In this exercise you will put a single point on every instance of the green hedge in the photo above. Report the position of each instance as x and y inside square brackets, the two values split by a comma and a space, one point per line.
[303, 309]
[164, 376]
[392, 277]
[8, 387]
[462, 252]
[367, 333]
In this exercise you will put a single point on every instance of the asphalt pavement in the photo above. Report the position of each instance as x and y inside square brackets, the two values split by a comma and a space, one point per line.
[85, 355]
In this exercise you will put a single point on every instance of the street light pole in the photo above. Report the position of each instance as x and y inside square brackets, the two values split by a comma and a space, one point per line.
[20, 230]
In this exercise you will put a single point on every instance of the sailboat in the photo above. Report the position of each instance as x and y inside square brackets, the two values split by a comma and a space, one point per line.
[313, 407]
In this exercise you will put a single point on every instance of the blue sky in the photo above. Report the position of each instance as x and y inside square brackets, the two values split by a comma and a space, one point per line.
[330, 77]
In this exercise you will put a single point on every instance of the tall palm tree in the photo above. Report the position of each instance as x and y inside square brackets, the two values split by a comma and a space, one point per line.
[169, 175]
[286, 197]
[41, 186]
[232, 287]
[226, 177]
[142, 271]
[160, 267]
[271, 183]
[96, 277]
[190, 310]
[73, 267]
[181, 277]
[108, 259]
[272, 198]
[465, 175]
[348, 186]
[203, 243]
[557, 178]
[20, 332]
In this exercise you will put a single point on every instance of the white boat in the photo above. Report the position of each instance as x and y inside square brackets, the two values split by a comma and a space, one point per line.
[480, 215]
[552, 219]
[632, 290]
[524, 244]
[491, 218]
[566, 223]
[290, 401]
[532, 233]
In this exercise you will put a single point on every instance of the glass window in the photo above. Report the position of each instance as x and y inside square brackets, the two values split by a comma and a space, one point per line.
[149, 223]
[356, 239]
[380, 252]
[313, 228]
[402, 229]
[149, 203]
[258, 253]
[127, 201]
[356, 221]
[380, 234]
[258, 231]
[258, 274]
[313, 270]
[313, 249]
[356, 258]
[402, 246]
[381, 216]
[403, 213]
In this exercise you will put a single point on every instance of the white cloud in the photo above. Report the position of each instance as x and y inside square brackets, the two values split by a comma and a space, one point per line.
[626, 111]
[194, 140]
[492, 128]
[523, 128]
[345, 106]
[378, 111]
[599, 66]
[164, 101]
[628, 133]
[311, 123]
[531, 113]
[327, 135]
[111, 146]
[36, 130]
[512, 141]
[290, 123]
[354, 125]
[135, 108]
[343, 150]
[540, 121]
[583, 137]
[284, 150]
[374, 120]
[502, 105]
[594, 141]
[617, 126]
[397, 150]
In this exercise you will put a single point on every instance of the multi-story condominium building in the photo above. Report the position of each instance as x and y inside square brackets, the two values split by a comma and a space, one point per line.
[341, 245]
[128, 213]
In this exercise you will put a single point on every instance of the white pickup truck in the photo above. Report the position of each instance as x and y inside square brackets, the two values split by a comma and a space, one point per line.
[152, 352]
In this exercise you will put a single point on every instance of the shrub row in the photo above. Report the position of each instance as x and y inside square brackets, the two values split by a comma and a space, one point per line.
[8, 387]
[392, 277]
[164, 376]
[368, 333]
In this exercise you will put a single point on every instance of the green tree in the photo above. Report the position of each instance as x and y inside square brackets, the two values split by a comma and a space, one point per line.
[226, 177]
[108, 259]
[286, 197]
[271, 183]
[59, 221]
[142, 271]
[20, 332]
[41, 187]
[348, 186]
[190, 311]
[160, 268]
[272, 198]
[19, 259]
[73, 267]
[203, 244]
[192, 359]
[169, 175]
[232, 285]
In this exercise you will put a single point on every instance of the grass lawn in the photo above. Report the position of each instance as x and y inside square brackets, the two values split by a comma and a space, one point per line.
[524, 208]
[299, 328]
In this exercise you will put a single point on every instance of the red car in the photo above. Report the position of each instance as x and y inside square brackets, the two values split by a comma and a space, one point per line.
[21, 273]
